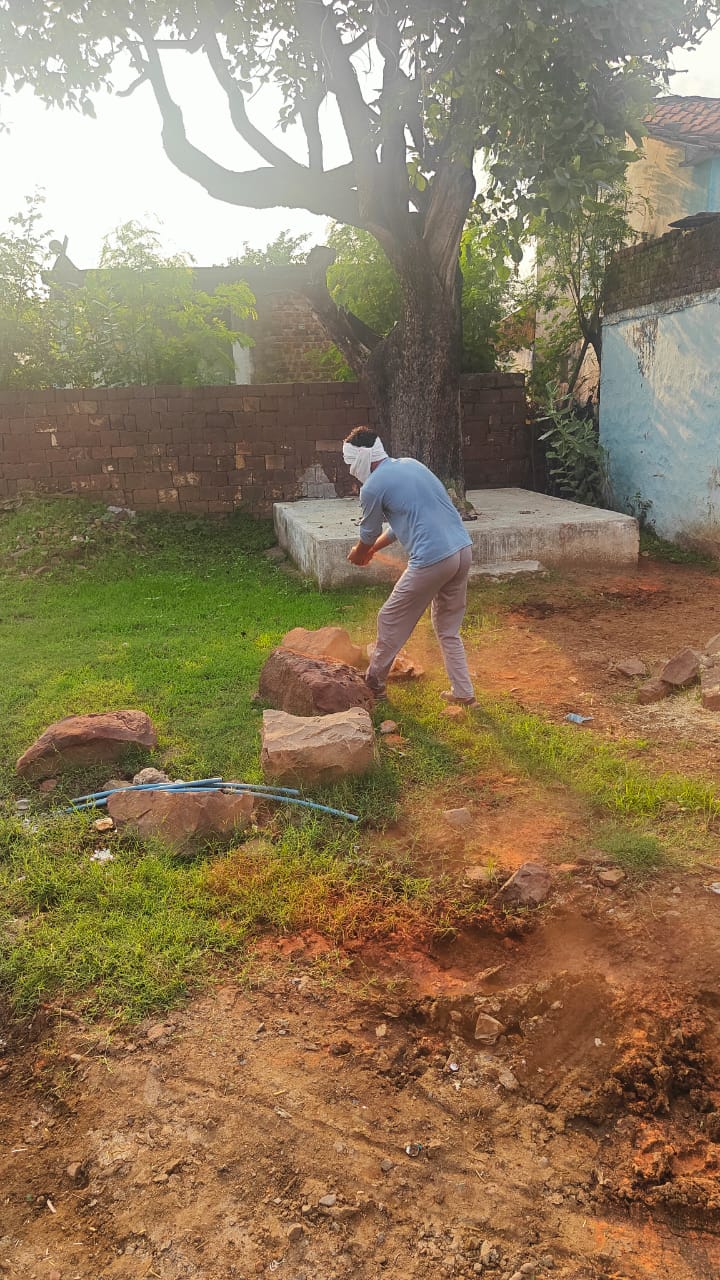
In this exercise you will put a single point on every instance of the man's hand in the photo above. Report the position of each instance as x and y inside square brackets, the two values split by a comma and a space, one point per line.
[361, 554]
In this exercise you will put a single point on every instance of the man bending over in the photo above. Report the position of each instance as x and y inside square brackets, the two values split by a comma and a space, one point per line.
[421, 516]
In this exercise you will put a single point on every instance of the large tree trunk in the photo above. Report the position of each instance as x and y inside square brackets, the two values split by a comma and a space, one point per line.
[414, 377]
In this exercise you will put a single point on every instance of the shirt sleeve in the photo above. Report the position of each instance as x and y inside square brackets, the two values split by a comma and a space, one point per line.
[372, 517]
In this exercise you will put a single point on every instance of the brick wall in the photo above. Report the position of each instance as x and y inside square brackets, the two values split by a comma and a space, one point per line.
[289, 340]
[212, 449]
[675, 265]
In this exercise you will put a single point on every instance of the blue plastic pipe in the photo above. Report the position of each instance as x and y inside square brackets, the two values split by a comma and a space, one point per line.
[284, 795]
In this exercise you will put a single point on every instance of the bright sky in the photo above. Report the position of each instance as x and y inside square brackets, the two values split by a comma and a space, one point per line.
[99, 173]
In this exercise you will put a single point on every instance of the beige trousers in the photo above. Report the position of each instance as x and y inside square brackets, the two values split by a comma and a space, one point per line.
[444, 585]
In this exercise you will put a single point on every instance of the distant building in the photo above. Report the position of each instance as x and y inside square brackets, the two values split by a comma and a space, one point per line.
[678, 173]
[289, 341]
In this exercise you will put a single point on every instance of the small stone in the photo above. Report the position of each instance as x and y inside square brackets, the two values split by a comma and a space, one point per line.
[386, 1165]
[149, 775]
[507, 1080]
[460, 819]
[568, 868]
[631, 667]
[710, 685]
[529, 886]
[612, 877]
[103, 824]
[327, 1201]
[527, 1269]
[488, 1253]
[653, 690]
[158, 1031]
[453, 713]
[477, 875]
[547, 1261]
[388, 726]
[48, 785]
[682, 669]
[557, 1199]
[296, 1232]
[403, 668]
[487, 1029]
[76, 1172]
[381, 1030]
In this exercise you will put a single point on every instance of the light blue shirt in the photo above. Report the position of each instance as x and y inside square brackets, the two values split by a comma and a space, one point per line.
[416, 505]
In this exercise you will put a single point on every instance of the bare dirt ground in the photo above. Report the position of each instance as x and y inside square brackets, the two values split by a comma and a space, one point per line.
[321, 1127]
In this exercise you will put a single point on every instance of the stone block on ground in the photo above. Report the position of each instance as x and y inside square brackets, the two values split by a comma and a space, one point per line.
[458, 819]
[710, 685]
[630, 667]
[527, 887]
[316, 749]
[653, 690]
[682, 669]
[403, 668]
[713, 646]
[311, 687]
[185, 821]
[86, 740]
[332, 644]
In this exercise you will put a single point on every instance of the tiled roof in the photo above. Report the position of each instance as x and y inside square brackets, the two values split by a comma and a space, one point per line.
[686, 119]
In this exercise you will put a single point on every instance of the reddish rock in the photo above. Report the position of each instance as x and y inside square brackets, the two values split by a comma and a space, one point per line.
[682, 669]
[332, 644]
[403, 668]
[529, 886]
[316, 748]
[84, 740]
[182, 819]
[611, 878]
[309, 687]
[653, 690]
[631, 667]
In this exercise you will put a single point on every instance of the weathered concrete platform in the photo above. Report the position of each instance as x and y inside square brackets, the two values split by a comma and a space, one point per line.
[512, 525]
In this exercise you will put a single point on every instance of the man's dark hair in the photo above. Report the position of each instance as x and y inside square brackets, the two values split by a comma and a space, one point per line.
[361, 437]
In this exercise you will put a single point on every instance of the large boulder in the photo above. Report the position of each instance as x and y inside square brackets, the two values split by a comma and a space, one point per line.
[86, 740]
[332, 644]
[310, 687]
[316, 749]
[182, 819]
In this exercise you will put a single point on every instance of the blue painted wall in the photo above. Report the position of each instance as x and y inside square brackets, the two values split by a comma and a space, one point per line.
[660, 410]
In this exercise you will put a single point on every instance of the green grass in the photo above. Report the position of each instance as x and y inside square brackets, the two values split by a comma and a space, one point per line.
[176, 616]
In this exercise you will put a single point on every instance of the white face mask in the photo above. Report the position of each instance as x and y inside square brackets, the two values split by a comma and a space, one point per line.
[360, 458]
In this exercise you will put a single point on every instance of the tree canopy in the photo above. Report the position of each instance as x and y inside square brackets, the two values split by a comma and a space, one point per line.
[538, 96]
[138, 318]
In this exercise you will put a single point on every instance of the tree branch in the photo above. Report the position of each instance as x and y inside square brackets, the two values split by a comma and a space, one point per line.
[358, 120]
[350, 334]
[452, 193]
[292, 186]
[238, 114]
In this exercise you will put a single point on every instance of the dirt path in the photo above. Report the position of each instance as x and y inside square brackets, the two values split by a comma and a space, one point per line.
[346, 1121]
[585, 1141]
